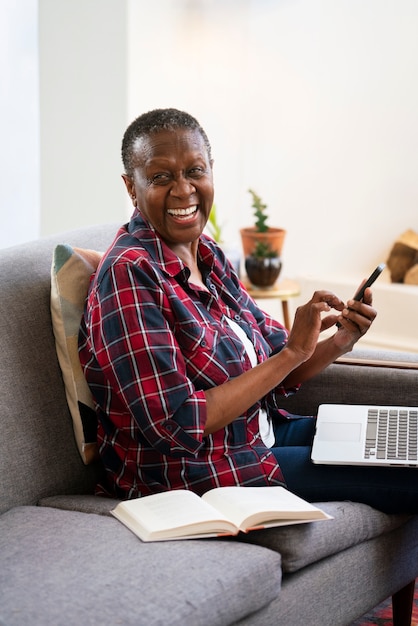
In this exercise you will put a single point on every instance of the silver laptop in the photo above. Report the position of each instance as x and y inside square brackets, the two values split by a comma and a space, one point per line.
[366, 435]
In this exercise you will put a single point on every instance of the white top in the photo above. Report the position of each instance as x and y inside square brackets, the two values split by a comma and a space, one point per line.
[264, 423]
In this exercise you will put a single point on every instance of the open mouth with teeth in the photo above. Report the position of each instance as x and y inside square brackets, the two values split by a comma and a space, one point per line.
[183, 214]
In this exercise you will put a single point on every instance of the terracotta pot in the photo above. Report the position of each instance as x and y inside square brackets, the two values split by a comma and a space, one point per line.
[274, 237]
[263, 272]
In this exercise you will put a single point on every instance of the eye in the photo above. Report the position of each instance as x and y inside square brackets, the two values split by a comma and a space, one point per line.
[196, 172]
[161, 178]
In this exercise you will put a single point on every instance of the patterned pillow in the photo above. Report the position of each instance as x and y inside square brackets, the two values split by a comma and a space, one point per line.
[70, 276]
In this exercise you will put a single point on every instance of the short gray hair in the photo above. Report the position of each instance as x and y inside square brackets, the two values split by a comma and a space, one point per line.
[153, 122]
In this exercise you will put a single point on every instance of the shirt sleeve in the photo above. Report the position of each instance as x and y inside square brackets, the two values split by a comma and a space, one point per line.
[136, 350]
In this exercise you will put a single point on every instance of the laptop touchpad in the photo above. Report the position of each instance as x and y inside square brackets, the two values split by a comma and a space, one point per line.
[338, 431]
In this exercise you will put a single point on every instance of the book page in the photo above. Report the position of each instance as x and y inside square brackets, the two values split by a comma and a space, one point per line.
[170, 510]
[251, 506]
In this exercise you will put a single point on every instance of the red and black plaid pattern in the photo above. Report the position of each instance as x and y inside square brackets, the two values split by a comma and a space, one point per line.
[151, 345]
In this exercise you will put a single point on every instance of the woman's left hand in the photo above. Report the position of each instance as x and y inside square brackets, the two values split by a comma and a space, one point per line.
[354, 321]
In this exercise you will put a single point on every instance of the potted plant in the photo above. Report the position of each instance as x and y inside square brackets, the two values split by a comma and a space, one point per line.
[262, 246]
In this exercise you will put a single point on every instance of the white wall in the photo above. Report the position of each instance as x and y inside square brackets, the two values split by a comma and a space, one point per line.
[19, 122]
[312, 103]
[83, 95]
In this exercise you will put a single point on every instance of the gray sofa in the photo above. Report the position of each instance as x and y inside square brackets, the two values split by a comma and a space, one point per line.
[65, 560]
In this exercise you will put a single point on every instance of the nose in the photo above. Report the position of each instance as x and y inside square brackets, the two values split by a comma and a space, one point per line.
[182, 187]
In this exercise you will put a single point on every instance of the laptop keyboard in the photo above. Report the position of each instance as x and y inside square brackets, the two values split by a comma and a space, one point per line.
[392, 434]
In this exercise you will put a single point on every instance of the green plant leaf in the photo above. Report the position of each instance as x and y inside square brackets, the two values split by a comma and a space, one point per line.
[259, 212]
[213, 225]
[264, 250]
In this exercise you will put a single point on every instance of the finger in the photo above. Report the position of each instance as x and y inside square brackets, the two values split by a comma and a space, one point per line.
[368, 296]
[346, 320]
[361, 308]
[328, 322]
[329, 298]
[358, 319]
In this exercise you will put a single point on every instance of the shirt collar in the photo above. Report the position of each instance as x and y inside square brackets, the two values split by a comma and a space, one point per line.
[148, 238]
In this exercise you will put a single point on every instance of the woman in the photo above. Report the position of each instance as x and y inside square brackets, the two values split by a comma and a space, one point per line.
[187, 372]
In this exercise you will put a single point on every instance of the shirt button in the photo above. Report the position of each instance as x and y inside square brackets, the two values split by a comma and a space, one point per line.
[237, 317]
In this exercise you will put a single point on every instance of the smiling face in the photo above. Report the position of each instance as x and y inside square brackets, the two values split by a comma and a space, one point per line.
[172, 184]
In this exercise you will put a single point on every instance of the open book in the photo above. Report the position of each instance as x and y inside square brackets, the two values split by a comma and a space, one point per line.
[181, 514]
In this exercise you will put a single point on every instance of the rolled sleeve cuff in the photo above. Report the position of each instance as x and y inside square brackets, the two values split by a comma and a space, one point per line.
[177, 437]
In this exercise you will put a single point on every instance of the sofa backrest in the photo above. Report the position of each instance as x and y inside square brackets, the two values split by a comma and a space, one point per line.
[364, 376]
[38, 454]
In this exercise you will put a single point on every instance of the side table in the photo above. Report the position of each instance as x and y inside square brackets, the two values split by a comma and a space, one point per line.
[284, 291]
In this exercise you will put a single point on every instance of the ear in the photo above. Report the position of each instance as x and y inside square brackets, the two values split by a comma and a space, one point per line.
[130, 187]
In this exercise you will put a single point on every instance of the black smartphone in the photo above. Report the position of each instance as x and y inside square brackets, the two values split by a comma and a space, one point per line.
[360, 293]
[369, 282]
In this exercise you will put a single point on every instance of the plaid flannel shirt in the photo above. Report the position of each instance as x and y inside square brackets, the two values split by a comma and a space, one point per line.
[150, 344]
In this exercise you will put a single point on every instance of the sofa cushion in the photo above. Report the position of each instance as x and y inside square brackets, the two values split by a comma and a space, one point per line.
[301, 545]
[298, 545]
[83, 503]
[70, 276]
[65, 567]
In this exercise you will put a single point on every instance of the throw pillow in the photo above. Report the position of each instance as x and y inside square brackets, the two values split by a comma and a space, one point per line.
[70, 276]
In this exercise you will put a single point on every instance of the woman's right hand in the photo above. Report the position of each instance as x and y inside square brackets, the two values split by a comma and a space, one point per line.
[309, 322]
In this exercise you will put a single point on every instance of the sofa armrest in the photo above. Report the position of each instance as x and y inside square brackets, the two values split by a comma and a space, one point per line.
[361, 377]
